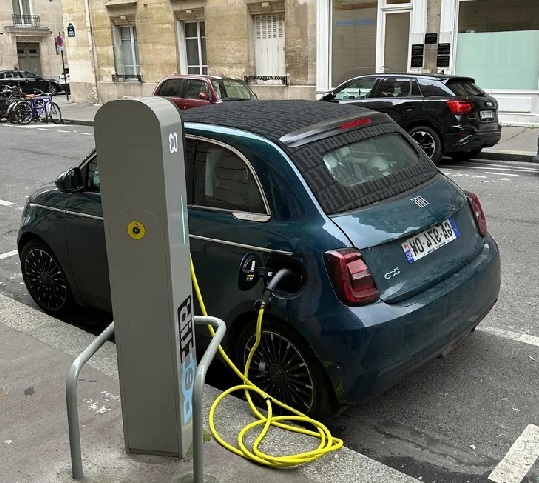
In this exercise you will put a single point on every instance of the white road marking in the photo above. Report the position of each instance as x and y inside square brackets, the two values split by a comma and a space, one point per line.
[8, 254]
[509, 334]
[519, 459]
[61, 130]
[6, 203]
[43, 129]
[506, 174]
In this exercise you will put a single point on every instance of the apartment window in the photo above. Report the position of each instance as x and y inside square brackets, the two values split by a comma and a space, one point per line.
[193, 47]
[269, 44]
[21, 7]
[126, 51]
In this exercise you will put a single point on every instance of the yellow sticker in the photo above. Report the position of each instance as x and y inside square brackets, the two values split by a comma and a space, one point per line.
[136, 230]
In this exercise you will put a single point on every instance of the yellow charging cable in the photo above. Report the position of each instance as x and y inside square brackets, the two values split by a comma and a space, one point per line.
[328, 443]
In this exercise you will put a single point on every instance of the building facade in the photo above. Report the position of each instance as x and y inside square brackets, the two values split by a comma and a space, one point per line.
[28, 29]
[302, 48]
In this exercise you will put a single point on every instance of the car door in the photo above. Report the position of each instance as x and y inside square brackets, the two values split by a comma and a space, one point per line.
[226, 222]
[85, 237]
[356, 91]
[196, 93]
[396, 96]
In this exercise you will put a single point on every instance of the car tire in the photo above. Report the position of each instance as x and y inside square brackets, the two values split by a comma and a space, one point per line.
[45, 280]
[429, 140]
[465, 155]
[54, 89]
[308, 392]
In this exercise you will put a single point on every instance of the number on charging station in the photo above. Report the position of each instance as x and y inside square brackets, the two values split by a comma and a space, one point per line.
[173, 142]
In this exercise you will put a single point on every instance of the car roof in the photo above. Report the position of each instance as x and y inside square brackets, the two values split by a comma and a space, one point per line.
[197, 76]
[431, 76]
[272, 119]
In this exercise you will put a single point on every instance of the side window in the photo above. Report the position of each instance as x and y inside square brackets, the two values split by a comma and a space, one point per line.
[92, 182]
[171, 88]
[223, 180]
[194, 87]
[433, 88]
[394, 88]
[356, 89]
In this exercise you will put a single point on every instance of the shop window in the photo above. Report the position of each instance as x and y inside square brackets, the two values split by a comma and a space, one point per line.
[126, 55]
[269, 45]
[353, 39]
[498, 43]
[193, 58]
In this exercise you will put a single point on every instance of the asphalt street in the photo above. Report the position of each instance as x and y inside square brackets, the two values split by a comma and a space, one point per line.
[452, 421]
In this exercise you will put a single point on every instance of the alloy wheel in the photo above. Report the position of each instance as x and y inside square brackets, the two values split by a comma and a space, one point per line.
[45, 280]
[425, 141]
[279, 369]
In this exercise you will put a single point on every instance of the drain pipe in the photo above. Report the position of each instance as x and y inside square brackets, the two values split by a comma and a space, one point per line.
[91, 48]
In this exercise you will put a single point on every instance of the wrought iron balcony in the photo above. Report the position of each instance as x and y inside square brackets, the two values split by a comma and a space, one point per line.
[26, 20]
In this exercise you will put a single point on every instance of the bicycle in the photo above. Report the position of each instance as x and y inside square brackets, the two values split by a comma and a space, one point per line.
[37, 108]
[9, 97]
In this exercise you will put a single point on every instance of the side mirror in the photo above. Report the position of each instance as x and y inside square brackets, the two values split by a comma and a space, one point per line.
[70, 181]
[204, 96]
[328, 96]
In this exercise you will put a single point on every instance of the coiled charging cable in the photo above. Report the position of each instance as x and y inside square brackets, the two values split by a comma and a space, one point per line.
[327, 444]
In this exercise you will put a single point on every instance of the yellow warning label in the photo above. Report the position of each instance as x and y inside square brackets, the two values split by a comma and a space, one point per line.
[136, 230]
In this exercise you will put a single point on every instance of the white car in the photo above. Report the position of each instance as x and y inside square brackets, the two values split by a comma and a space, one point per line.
[63, 80]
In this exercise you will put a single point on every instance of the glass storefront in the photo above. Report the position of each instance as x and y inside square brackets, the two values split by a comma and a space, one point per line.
[498, 43]
[353, 43]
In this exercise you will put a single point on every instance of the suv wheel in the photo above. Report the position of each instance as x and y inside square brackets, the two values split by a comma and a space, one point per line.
[465, 155]
[429, 140]
[54, 89]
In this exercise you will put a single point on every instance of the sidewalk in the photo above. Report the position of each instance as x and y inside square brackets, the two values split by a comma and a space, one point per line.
[516, 144]
[36, 353]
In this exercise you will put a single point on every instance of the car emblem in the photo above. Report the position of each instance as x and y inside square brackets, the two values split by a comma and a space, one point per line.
[420, 201]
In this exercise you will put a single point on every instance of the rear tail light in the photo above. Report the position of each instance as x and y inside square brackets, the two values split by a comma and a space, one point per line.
[477, 210]
[460, 107]
[351, 277]
[356, 122]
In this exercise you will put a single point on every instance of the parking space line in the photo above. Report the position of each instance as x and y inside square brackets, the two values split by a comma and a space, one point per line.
[519, 459]
[8, 254]
[504, 174]
[509, 334]
[6, 203]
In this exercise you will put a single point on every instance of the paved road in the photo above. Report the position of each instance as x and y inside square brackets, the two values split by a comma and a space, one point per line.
[453, 421]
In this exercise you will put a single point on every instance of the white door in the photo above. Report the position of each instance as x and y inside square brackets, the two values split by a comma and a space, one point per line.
[269, 44]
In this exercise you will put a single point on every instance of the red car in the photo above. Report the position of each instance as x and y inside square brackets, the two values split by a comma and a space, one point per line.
[187, 91]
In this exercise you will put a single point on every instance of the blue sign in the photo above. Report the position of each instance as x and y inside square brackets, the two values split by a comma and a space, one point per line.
[359, 21]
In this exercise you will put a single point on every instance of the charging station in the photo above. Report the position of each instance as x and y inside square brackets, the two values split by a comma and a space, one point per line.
[140, 152]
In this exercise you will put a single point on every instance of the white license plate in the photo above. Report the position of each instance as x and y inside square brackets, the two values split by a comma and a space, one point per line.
[486, 115]
[426, 242]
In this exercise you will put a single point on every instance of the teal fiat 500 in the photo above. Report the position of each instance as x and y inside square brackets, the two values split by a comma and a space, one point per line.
[393, 264]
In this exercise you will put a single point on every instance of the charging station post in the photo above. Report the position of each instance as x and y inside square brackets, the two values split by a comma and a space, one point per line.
[140, 153]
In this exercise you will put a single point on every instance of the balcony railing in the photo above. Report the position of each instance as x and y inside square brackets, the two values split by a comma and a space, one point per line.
[26, 20]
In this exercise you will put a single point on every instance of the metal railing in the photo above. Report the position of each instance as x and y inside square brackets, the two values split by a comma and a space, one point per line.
[20, 20]
[77, 470]
[282, 78]
[124, 77]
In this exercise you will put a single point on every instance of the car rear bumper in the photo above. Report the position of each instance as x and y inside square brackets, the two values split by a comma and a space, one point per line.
[391, 340]
[471, 139]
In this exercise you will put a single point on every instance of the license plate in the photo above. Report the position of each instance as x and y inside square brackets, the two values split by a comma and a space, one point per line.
[486, 115]
[426, 242]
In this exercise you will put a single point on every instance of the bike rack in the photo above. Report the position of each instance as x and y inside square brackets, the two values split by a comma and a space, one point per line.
[77, 470]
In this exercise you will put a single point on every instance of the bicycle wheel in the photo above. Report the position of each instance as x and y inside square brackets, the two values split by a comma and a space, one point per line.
[54, 113]
[23, 112]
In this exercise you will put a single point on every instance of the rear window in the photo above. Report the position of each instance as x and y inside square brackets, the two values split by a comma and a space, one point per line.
[232, 90]
[464, 88]
[370, 159]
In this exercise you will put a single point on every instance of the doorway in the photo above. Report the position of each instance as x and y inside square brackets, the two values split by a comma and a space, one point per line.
[29, 58]
[396, 41]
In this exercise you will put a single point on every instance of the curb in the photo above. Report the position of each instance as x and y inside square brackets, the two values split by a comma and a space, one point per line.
[78, 122]
[525, 156]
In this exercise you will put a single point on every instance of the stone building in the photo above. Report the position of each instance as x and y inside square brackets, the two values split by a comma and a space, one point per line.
[123, 47]
[28, 29]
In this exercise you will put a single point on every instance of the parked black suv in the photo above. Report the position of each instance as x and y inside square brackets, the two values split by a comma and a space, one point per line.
[28, 82]
[444, 114]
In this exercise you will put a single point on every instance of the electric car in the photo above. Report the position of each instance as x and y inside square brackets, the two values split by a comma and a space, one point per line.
[392, 264]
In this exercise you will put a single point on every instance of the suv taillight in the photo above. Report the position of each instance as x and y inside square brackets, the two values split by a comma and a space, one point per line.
[351, 277]
[477, 210]
[460, 107]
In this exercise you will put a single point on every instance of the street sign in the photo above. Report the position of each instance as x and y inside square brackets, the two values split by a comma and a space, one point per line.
[59, 41]
[70, 30]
